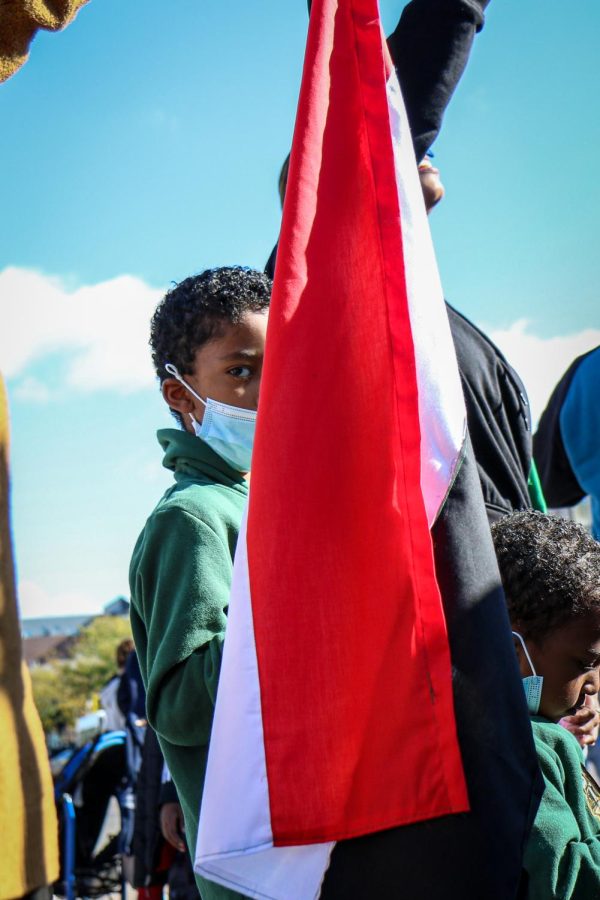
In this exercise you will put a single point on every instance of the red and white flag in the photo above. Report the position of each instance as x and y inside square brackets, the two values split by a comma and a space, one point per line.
[336, 632]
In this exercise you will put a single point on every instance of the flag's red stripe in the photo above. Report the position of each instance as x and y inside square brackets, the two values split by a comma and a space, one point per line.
[356, 714]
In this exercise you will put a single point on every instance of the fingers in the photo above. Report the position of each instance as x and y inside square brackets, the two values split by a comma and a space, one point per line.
[172, 825]
[584, 725]
[582, 717]
[180, 827]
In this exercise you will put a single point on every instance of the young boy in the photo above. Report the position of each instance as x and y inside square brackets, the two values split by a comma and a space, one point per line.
[207, 339]
[551, 575]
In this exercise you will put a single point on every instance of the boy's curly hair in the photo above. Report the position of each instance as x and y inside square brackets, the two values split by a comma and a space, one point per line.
[550, 570]
[195, 311]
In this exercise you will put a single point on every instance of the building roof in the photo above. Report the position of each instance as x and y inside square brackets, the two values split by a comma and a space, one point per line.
[68, 626]
[38, 650]
[49, 626]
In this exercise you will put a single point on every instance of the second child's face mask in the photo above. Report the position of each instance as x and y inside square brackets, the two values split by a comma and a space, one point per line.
[532, 684]
[228, 430]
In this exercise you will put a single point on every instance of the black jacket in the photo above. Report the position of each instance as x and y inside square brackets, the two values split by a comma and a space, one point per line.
[147, 838]
[498, 418]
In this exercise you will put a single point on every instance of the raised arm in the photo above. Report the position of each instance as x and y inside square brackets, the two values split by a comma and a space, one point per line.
[430, 48]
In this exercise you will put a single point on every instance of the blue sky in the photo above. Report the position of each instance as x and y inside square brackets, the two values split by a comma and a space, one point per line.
[141, 145]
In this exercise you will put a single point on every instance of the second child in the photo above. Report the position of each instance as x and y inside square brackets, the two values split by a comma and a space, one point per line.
[550, 570]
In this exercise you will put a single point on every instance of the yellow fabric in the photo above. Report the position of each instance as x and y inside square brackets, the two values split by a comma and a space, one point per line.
[19, 22]
[28, 828]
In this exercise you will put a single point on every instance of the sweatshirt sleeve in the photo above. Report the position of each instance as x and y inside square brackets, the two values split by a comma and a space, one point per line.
[430, 48]
[180, 592]
[562, 865]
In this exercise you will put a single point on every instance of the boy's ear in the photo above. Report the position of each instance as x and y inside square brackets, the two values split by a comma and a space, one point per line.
[177, 397]
[522, 659]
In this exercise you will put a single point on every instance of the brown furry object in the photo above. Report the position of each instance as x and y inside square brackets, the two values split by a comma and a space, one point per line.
[19, 22]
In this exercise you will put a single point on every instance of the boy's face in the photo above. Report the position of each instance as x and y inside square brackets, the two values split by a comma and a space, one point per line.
[228, 369]
[569, 659]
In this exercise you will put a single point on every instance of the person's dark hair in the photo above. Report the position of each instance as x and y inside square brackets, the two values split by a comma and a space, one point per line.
[196, 310]
[123, 651]
[550, 570]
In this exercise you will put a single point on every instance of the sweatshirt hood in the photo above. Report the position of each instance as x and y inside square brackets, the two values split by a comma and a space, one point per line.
[186, 454]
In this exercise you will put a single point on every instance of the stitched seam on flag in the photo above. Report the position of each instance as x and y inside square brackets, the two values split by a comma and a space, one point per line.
[242, 886]
[202, 869]
[245, 850]
[424, 649]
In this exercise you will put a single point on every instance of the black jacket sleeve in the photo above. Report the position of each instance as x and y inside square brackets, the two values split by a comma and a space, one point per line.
[430, 48]
[168, 793]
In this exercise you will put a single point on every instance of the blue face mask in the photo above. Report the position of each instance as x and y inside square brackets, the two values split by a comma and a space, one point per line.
[532, 685]
[228, 430]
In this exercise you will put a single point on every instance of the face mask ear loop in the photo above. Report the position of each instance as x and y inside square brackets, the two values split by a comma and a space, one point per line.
[171, 369]
[522, 642]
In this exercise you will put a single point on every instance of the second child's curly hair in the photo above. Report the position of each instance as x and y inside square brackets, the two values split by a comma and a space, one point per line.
[550, 570]
[195, 311]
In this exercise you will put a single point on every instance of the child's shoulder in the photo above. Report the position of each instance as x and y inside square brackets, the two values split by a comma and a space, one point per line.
[212, 504]
[188, 521]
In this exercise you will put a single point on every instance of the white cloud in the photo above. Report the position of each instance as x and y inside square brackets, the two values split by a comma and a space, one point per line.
[541, 361]
[102, 329]
[32, 390]
[35, 601]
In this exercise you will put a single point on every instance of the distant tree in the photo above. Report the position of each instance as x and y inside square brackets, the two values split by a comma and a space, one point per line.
[93, 654]
[64, 688]
[57, 708]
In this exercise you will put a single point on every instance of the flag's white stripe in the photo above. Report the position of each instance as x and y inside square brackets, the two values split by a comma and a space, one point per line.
[441, 404]
[235, 840]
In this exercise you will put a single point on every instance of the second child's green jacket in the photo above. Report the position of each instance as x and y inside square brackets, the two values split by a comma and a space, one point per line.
[563, 854]
[180, 576]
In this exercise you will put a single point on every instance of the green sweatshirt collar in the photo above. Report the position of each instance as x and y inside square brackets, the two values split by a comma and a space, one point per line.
[186, 454]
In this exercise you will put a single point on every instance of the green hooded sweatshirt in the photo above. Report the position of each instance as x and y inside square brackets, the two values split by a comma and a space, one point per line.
[563, 853]
[180, 576]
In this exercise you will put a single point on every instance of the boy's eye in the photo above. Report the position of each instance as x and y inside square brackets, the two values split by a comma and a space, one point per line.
[240, 371]
[587, 667]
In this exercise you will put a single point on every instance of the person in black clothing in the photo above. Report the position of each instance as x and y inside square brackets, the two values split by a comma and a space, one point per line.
[430, 48]
[498, 418]
[131, 699]
[159, 859]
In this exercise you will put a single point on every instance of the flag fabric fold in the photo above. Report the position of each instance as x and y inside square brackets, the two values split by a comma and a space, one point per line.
[335, 711]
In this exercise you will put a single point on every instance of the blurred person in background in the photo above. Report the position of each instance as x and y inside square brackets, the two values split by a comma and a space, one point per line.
[114, 719]
[567, 441]
[159, 850]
